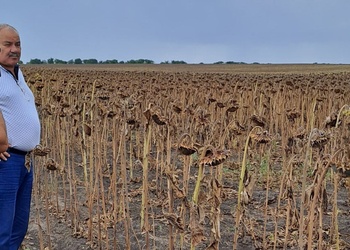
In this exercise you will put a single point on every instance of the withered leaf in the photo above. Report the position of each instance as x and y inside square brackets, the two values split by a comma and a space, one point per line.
[175, 220]
[87, 130]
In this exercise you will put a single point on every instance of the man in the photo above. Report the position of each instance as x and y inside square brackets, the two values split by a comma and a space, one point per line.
[22, 127]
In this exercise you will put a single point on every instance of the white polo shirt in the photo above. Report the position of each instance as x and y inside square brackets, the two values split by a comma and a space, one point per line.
[19, 111]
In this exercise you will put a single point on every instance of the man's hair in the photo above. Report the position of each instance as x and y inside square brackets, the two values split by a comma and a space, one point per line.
[5, 25]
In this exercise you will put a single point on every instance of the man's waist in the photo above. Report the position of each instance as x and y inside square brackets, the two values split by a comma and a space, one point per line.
[16, 151]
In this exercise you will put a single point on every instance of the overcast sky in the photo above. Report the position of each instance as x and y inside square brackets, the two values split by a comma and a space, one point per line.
[195, 31]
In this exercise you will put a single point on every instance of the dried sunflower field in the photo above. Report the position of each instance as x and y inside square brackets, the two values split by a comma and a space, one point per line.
[191, 157]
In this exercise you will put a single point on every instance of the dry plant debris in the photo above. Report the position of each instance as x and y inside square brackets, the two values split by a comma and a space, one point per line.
[125, 155]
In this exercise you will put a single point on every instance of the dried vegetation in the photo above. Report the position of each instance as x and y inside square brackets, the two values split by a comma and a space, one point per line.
[193, 160]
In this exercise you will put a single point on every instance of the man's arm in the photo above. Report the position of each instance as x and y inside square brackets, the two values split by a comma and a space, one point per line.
[3, 134]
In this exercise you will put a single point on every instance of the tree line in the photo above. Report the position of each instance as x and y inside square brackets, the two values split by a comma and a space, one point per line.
[113, 61]
[95, 61]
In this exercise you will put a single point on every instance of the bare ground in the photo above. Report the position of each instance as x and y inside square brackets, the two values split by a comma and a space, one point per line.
[62, 236]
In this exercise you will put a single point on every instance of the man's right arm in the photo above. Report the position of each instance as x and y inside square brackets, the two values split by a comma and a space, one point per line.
[3, 134]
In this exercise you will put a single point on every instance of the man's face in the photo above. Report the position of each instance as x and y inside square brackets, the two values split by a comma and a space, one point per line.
[10, 48]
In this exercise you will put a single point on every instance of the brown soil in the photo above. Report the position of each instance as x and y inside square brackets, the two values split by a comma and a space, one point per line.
[62, 236]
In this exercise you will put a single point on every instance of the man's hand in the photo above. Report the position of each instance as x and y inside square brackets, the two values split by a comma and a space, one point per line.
[4, 156]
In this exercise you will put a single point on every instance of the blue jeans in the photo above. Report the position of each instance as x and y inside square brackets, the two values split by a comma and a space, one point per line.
[15, 196]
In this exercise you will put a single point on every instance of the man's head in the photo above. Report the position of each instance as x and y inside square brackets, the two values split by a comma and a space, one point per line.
[10, 46]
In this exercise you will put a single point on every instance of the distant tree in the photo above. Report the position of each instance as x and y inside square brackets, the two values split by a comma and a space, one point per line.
[58, 61]
[219, 62]
[71, 61]
[232, 62]
[178, 62]
[147, 61]
[50, 61]
[90, 61]
[131, 61]
[165, 62]
[78, 61]
[35, 61]
[140, 61]
[109, 61]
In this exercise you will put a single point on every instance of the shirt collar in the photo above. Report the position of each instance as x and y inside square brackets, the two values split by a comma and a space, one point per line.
[15, 70]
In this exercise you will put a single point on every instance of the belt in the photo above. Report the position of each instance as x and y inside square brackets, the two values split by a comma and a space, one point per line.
[16, 151]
